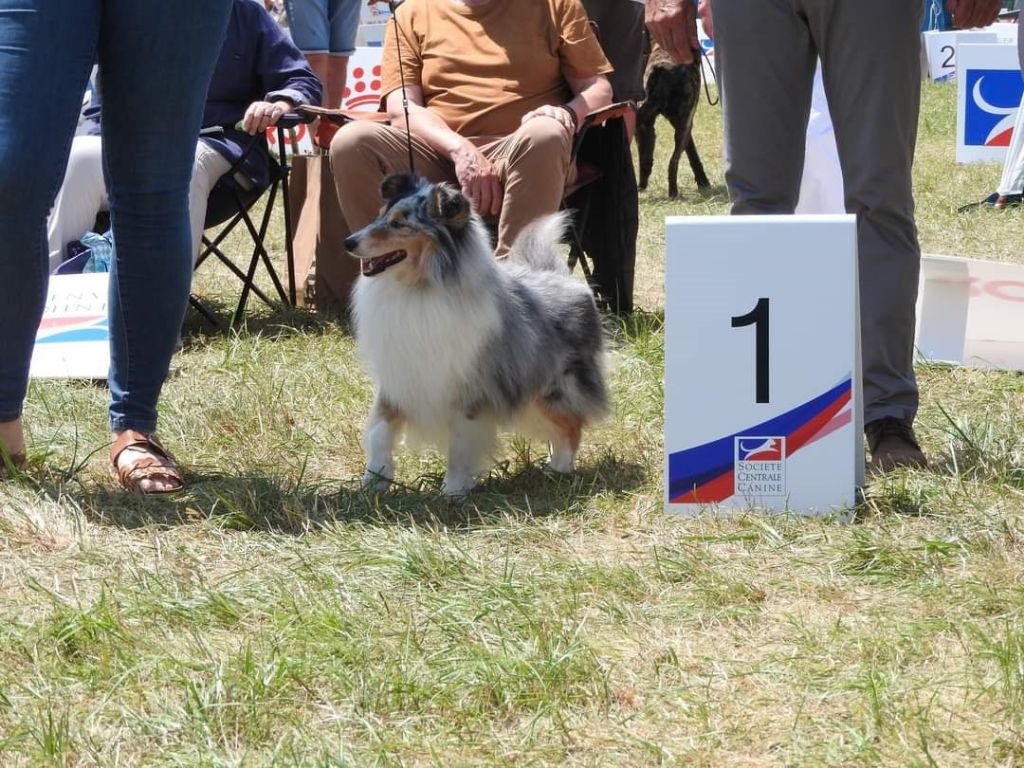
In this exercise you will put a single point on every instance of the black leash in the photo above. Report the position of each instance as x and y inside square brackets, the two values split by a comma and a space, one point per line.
[714, 76]
[393, 5]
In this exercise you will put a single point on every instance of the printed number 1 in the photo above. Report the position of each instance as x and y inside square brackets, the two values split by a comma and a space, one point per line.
[758, 317]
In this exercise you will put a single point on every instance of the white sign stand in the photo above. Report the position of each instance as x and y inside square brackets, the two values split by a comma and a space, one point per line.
[971, 312]
[73, 338]
[940, 50]
[762, 350]
[989, 88]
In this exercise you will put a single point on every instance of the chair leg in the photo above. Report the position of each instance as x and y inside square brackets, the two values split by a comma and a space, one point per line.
[259, 254]
[577, 255]
[285, 201]
[576, 229]
[264, 255]
[241, 275]
[236, 319]
[199, 307]
[211, 247]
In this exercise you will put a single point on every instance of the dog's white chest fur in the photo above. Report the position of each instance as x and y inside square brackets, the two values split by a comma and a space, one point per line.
[421, 345]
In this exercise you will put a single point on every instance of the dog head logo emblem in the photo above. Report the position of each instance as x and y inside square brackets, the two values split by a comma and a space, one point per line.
[759, 449]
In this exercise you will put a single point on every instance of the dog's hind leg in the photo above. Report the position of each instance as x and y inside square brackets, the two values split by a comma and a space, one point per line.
[645, 139]
[696, 165]
[469, 450]
[682, 133]
[382, 431]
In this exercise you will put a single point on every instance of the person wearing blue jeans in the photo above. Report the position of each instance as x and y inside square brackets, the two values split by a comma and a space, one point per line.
[325, 32]
[156, 60]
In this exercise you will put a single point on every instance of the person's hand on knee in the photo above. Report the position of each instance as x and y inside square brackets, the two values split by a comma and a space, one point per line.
[562, 113]
[478, 178]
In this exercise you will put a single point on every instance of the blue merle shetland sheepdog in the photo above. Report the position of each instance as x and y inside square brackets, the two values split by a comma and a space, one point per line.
[459, 344]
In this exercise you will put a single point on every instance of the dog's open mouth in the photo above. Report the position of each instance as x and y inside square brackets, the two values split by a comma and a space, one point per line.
[378, 264]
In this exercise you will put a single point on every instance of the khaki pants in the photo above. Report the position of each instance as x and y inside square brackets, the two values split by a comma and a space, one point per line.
[532, 164]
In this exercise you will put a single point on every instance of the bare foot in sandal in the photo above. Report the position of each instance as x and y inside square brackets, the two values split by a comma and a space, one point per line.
[142, 464]
[12, 445]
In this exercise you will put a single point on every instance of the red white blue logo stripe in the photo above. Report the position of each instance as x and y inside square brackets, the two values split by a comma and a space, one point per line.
[706, 474]
[72, 329]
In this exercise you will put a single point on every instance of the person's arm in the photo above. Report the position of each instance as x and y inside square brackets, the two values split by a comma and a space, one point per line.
[673, 26]
[973, 13]
[589, 94]
[704, 11]
[582, 65]
[283, 73]
[476, 174]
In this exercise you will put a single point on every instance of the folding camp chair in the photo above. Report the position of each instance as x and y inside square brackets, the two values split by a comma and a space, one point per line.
[230, 205]
[603, 199]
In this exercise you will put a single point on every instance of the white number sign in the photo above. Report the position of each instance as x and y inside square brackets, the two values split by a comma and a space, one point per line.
[762, 389]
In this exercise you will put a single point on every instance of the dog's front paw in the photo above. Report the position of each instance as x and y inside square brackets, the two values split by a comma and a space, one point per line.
[456, 486]
[561, 465]
[376, 482]
[562, 460]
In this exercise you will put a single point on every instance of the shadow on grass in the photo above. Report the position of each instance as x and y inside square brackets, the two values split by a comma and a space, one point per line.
[263, 502]
[259, 319]
[657, 193]
[638, 324]
[905, 493]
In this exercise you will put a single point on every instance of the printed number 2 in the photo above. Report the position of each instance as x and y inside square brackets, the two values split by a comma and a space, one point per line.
[758, 317]
[950, 52]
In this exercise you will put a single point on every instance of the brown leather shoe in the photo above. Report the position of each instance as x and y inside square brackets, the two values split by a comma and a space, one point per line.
[893, 444]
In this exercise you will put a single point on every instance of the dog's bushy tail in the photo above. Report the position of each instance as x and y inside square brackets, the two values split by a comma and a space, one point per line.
[536, 247]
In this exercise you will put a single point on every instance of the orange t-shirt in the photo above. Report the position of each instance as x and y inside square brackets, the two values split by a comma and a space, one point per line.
[483, 67]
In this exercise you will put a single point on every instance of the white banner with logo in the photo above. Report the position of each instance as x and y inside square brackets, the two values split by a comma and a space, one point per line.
[971, 312]
[73, 338]
[989, 89]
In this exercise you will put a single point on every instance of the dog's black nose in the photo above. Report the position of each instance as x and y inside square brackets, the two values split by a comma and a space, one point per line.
[351, 243]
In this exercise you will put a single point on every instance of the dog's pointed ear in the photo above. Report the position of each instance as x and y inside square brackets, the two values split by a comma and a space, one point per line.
[449, 206]
[399, 185]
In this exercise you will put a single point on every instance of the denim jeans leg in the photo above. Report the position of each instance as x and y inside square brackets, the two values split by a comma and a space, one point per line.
[46, 52]
[156, 61]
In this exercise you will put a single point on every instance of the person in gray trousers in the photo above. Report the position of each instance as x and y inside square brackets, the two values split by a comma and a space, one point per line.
[870, 52]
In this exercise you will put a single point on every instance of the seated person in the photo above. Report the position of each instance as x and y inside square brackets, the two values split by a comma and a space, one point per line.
[495, 89]
[259, 76]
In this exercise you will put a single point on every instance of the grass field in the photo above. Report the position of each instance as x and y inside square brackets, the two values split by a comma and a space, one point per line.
[277, 615]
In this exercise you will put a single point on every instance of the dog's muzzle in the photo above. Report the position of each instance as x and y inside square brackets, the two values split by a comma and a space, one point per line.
[378, 264]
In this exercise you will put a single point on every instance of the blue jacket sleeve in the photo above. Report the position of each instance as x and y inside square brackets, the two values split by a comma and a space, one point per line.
[283, 70]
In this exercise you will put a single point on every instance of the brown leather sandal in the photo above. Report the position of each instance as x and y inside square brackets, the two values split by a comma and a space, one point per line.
[12, 463]
[158, 465]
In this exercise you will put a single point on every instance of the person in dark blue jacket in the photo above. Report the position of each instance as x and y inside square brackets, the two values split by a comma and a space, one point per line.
[260, 75]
